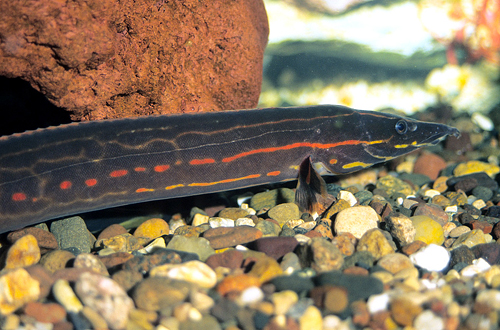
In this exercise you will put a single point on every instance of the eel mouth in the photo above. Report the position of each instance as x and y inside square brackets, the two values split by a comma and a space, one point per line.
[440, 135]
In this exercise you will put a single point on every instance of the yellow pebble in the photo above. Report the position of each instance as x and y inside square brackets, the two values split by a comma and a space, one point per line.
[152, 228]
[475, 166]
[24, 252]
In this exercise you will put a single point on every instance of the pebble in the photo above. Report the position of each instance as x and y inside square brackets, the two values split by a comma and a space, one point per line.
[17, 288]
[46, 240]
[395, 262]
[401, 228]
[106, 297]
[375, 242]
[112, 230]
[322, 256]
[237, 283]
[224, 237]
[45, 313]
[432, 258]
[120, 243]
[434, 212]
[475, 166]
[155, 293]
[356, 221]
[56, 260]
[459, 231]
[87, 260]
[392, 186]
[65, 295]
[284, 212]
[269, 199]
[194, 271]
[72, 233]
[429, 164]
[275, 247]
[268, 228]
[428, 230]
[232, 259]
[470, 239]
[24, 252]
[265, 268]
[218, 222]
[197, 245]
[283, 301]
[152, 228]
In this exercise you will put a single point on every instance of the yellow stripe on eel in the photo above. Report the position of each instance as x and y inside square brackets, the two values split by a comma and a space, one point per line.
[356, 164]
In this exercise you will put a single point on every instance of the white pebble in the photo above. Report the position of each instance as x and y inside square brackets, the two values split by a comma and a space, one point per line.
[432, 257]
[250, 296]
[220, 222]
[244, 222]
[478, 266]
[479, 204]
[378, 303]
[65, 295]
[428, 320]
[482, 121]
[431, 193]
[451, 209]
[158, 243]
[348, 197]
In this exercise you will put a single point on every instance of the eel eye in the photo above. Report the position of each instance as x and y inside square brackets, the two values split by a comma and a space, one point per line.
[401, 127]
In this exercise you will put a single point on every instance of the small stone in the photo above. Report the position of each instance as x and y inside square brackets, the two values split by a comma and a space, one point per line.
[106, 297]
[189, 231]
[375, 242]
[401, 228]
[194, 271]
[478, 266]
[479, 204]
[120, 243]
[440, 184]
[268, 228]
[413, 247]
[346, 243]
[197, 245]
[24, 252]
[46, 240]
[428, 230]
[360, 313]
[283, 301]
[87, 260]
[127, 278]
[284, 212]
[112, 230]
[244, 222]
[46, 313]
[348, 197]
[404, 311]
[432, 257]
[394, 186]
[55, 260]
[434, 212]
[275, 247]
[429, 164]
[269, 199]
[323, 256]
[200, 219]
[294, 282]
[324, 229]
[459, 231]
[17, 288]
[428, 320]
[96, 320]
[395, 262]
[232, 259]
[290, 263]
[356, 220]
[336, 208]
[224, 237]
[250, 296]
[470, 239]
[358, 286]
[72, 233]
[233, 213]
[265, 268]
[115, 260]
[483, 193]
[311, 319]
[237, 283]
[218, 222]
[154, 293]
[378, 303]
[152, 228]
[475, 166]
[336, 300]
[65, 295]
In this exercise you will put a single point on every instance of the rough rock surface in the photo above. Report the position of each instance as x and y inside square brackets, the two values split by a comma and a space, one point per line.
[109, 59]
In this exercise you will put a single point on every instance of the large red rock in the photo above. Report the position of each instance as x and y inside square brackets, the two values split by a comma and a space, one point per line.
[108, 59]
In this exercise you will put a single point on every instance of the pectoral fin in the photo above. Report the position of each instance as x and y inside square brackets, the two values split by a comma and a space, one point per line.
[311, 194]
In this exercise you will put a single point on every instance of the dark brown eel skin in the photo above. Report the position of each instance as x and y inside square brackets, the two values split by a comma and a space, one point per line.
[81, 167]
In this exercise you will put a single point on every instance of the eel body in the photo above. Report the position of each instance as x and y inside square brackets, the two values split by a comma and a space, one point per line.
[81, 167]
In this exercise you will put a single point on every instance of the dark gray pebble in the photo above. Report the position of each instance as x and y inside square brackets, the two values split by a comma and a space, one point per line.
[482, 193]
[357, 286]
[293, 282]
[72, 233]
